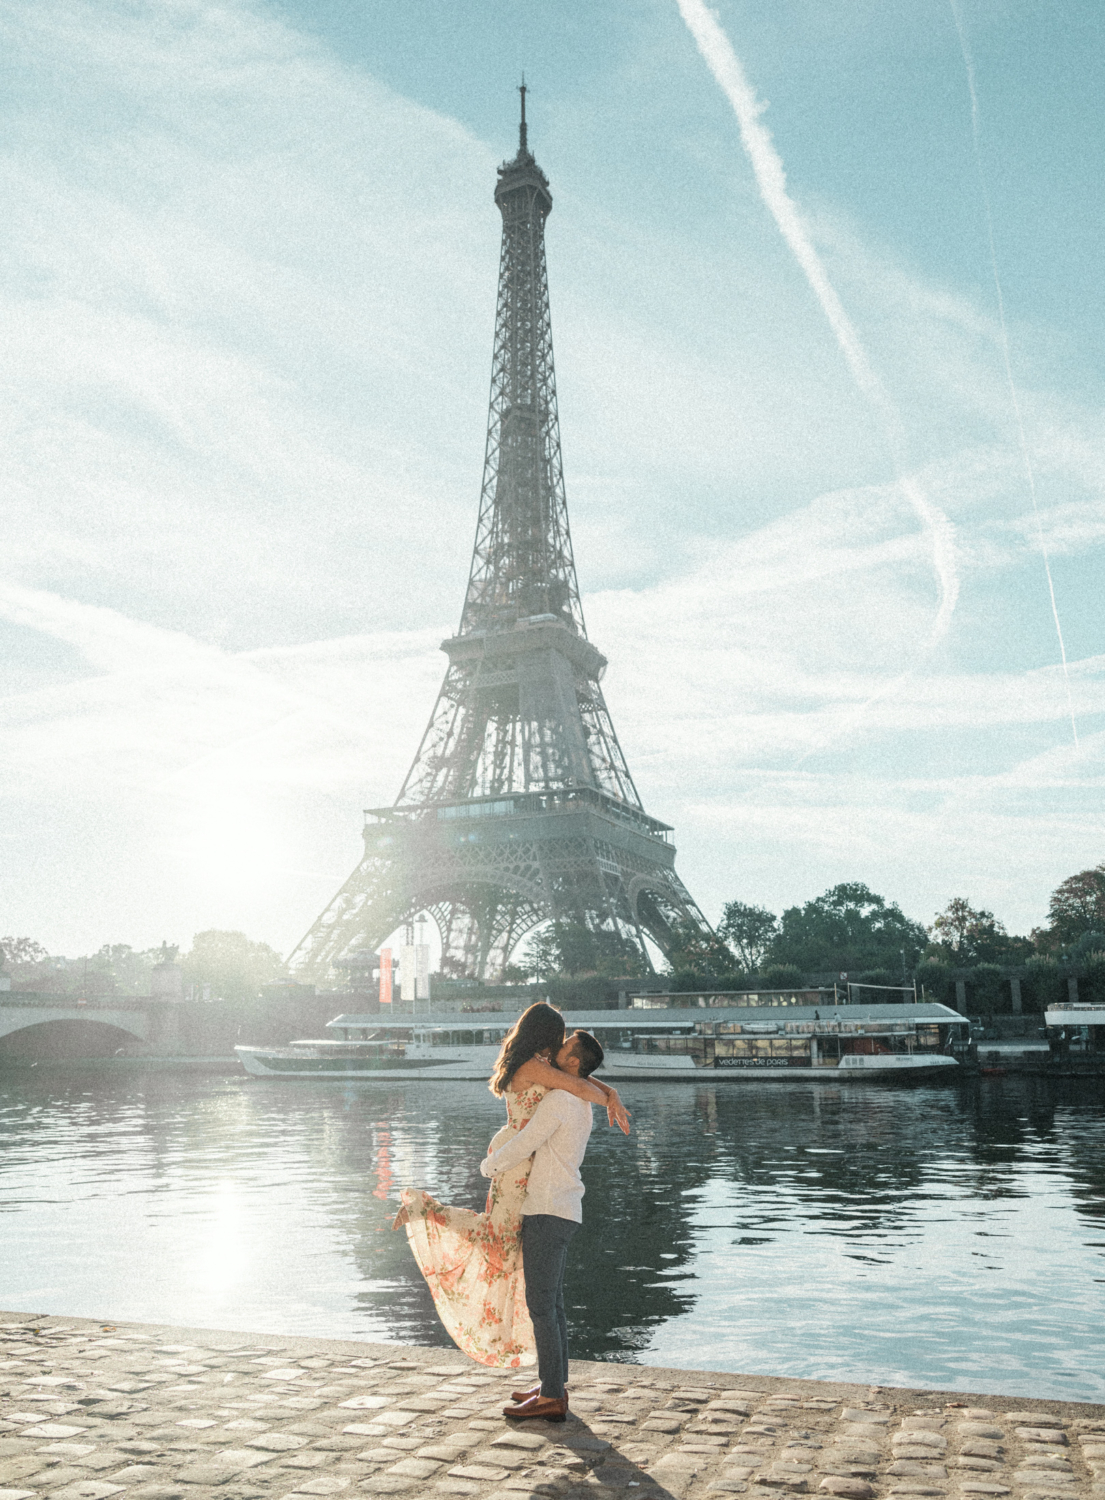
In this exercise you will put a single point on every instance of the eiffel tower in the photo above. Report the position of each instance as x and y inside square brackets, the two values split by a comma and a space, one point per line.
[519, 806]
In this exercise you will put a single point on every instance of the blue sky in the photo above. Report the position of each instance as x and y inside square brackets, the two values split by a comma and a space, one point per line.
[247, 281]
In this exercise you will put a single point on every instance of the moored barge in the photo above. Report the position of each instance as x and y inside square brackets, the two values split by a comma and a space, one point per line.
[752, 1037]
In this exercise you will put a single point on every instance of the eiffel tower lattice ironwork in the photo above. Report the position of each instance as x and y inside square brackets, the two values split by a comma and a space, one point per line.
[519, 806]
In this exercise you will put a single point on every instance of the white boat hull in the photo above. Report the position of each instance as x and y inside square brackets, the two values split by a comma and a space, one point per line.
[419, 1064]
[476, 1063]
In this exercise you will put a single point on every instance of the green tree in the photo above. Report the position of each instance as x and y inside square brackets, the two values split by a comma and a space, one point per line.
[229, 966]
[1045, 983]
[782, 977]
[966, 935]
[849, 928]
[935, 979]
[568, 946]
[749, 931]
[987, 990]
[27, 961]
[699, 959]
[21, 950]
[1077, 905]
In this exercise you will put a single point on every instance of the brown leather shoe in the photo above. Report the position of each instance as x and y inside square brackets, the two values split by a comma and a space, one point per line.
[534, 1390]
[548, 1407]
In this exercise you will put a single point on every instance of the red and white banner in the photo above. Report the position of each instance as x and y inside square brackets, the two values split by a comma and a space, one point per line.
[385, 976]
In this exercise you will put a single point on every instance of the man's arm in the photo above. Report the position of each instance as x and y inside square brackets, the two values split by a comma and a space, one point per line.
[547, 1117]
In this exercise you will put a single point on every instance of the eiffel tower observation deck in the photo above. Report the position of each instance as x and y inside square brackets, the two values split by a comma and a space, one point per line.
[519, 806]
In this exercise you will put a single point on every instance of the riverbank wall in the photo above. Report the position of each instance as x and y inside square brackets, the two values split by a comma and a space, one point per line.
[94, 1409]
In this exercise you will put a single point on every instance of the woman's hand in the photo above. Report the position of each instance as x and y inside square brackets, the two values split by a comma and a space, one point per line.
[616, 1112]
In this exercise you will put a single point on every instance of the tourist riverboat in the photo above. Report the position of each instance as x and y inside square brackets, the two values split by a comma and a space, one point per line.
[1077, 1025]
[750, 1037]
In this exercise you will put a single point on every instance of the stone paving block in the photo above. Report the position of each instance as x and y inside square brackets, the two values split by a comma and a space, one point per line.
[87, 1489]
[478, 1471]
[504, 1458]
[20, 1466]
[416, 1468]
[529, 1441]
[217, 1467]
[16, 1494]
[104, 1458]
[54, 1476]
[390, 1420]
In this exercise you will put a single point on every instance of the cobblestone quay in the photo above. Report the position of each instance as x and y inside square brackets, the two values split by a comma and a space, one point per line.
[94, 1410]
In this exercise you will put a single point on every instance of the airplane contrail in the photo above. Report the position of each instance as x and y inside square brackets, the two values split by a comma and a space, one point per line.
[767, 166]
[1014, 398]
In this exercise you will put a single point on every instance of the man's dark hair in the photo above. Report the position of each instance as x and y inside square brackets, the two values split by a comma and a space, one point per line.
[586, 1047]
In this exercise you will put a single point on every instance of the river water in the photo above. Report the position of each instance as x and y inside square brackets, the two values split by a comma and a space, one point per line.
[949, 1236]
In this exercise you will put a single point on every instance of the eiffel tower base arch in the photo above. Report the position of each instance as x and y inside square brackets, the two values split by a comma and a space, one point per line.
[489, 871]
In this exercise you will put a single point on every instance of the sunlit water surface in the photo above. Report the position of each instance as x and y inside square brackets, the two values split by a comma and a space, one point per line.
[948, 1236]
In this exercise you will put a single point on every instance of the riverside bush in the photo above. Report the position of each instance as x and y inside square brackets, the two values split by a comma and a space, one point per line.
[937, 981]
[1044, 984]
[987, 990]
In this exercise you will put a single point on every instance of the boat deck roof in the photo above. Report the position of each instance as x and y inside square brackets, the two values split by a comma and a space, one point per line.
[686, 1018]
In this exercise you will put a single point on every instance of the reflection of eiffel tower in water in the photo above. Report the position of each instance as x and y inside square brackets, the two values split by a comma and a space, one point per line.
[519, 805]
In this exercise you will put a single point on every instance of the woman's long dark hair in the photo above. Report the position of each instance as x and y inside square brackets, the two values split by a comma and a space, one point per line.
[535, 1030]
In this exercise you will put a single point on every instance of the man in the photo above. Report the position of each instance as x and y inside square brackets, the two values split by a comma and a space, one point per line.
[556, 1136]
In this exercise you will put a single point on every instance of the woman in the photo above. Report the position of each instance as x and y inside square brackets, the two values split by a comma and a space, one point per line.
[473, 1262]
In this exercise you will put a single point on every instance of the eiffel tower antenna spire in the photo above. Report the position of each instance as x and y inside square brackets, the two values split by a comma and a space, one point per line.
[519, 805]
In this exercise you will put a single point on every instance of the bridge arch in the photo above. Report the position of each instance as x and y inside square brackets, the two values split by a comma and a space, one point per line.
[36, 1035]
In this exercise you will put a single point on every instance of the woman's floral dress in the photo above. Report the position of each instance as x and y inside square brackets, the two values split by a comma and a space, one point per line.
[473, 1262]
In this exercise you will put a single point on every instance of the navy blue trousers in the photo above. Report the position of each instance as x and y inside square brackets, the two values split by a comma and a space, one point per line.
[545, 1241]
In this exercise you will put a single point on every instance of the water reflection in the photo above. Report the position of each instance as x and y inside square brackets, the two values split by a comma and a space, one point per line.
[947, 1236]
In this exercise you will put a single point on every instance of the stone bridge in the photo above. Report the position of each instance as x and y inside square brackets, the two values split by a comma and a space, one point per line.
[39, 1027]
[33, 1024]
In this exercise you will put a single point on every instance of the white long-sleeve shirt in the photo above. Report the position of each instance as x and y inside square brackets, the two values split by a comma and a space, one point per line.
[556, 1136]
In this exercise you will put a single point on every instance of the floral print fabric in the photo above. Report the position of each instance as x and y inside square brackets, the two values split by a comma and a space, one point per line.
[473, 1262]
